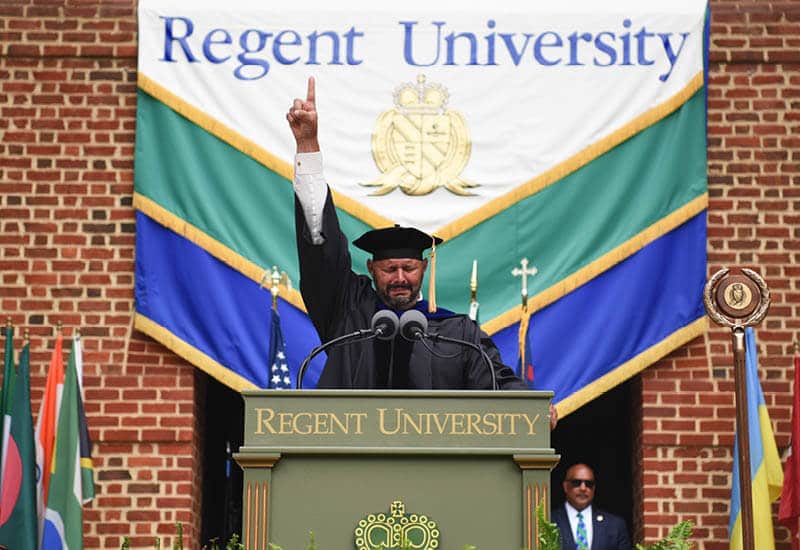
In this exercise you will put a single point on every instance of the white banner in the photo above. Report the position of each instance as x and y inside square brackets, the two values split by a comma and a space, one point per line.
[420, 98]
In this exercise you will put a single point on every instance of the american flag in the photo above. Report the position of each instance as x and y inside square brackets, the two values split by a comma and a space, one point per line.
[279, 376]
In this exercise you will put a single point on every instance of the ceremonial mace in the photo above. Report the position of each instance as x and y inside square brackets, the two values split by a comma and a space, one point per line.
[737, 301]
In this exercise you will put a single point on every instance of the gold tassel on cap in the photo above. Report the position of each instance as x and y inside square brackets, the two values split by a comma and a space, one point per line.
[432, 281]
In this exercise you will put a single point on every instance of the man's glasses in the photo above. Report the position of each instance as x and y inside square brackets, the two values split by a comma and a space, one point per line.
[577, 483]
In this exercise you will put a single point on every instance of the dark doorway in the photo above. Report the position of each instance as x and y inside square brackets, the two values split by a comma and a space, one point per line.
[600, 434]
[222, 477]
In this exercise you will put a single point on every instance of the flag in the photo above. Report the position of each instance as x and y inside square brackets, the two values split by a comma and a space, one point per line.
[765, 465]
[279, 377]
[789, 511]
[525, 362]
[9, 374]
[63, 521]
[642, 132]
[87, 467]
[46, 424]
[19, 527]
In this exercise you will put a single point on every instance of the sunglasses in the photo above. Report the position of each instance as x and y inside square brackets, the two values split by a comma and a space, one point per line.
[577, 483]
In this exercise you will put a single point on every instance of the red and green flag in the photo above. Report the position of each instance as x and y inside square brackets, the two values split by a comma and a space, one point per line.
[9, 375]
[18, 518]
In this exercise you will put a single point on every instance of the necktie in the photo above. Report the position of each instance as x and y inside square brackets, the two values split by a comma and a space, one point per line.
[581, 538]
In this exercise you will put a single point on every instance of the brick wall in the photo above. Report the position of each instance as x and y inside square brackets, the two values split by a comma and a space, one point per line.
[67, 117]
[67, 120]
[753, 221]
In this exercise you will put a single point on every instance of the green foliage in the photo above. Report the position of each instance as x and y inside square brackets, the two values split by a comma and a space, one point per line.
[234, 543]
[178, 544]
[678, 539]
[549, 537]
[312, 545]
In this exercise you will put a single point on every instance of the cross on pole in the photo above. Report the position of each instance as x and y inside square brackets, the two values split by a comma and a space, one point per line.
[524, 272]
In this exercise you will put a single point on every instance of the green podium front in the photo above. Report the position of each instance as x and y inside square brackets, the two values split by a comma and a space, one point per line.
[369, 469]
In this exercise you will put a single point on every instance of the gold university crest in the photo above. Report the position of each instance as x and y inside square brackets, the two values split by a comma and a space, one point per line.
[420, 145]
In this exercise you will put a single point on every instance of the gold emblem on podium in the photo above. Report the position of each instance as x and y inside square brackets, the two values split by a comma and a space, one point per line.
[420, 144]
[395, 530]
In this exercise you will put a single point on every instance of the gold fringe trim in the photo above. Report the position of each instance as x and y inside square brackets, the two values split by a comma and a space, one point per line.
[572, 164]
[250, 148]
[631, 367]
[523, 336]
[193, 355]
[603, 263]
[223, 253]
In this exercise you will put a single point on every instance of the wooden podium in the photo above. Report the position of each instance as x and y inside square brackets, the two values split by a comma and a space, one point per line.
[364, 468]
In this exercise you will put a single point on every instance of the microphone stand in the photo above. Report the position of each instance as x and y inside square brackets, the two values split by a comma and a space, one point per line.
[302, 371]
[434, 337]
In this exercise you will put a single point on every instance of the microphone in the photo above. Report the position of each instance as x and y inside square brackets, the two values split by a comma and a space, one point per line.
[413, 325]
[317, 350]
[384, 324]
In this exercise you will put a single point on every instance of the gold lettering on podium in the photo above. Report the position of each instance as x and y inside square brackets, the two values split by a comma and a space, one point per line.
[308, 423]
[393, 422]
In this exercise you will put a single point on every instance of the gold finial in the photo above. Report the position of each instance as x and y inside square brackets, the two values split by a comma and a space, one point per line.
[796, 346]
[78, 332]
[9, 324]
[59, 327]
[274, 290]
[27, 336]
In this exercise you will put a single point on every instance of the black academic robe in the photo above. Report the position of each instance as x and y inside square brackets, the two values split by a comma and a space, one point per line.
[340, 301]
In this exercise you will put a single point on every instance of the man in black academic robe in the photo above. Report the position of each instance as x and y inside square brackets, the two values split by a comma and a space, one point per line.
[340, 301]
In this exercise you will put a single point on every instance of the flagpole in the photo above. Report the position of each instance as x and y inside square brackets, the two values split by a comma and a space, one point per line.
[737, 301]
[743, 439]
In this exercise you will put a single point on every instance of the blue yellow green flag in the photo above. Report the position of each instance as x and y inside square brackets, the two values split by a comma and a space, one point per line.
[600, 176]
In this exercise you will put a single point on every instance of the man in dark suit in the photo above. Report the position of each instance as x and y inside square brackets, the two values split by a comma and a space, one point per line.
[582, 526]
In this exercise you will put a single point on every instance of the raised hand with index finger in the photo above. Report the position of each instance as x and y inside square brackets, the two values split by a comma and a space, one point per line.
[302, 117]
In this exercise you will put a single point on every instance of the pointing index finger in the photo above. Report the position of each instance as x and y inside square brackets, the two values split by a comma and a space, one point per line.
[311, 94]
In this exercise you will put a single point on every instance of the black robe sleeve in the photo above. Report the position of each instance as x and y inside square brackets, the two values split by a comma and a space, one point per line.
[326, 278]
[478, 373]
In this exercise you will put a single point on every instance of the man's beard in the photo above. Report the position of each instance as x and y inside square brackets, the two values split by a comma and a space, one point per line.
[398, 302]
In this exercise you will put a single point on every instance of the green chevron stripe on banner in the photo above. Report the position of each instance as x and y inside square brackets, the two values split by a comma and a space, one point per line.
[583, 223]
